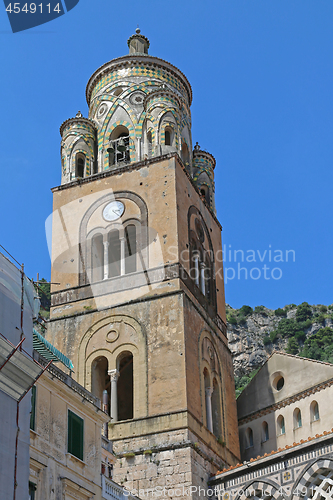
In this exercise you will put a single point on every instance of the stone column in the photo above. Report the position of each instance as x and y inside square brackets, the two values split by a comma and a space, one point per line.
[202, 278]
[114, 374]
[209, 392]
[196, 267]
[106, 260]
[122, 256]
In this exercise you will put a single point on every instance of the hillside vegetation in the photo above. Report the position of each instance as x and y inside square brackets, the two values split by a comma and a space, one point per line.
[304, 330]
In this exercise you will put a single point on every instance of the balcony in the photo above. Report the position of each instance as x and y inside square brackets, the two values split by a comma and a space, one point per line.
[113, 491]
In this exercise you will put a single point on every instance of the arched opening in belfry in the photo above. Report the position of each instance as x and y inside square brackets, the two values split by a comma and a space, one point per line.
[204, 191]
[119, 150]
[114, 253]
[100, 380]
[125, 386]
[216, 410]
[79, 165]
[150, 144]
[97, 257]
[130, 249]
[168, 136]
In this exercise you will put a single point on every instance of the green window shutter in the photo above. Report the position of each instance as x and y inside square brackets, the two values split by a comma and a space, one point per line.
[33, 408]
[75, 435]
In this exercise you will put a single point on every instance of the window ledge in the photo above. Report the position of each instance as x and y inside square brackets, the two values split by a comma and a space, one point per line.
[69, 455]
[34, 433]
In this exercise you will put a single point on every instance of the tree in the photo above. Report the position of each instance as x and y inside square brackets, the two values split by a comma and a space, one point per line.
[292, 346]
[303, 312]
[319, 346]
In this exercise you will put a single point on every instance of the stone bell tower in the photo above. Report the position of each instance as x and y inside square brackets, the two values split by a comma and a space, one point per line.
[137, 250]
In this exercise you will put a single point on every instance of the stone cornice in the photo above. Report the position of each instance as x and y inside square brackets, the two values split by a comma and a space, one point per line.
[136, 166]
[132, 59]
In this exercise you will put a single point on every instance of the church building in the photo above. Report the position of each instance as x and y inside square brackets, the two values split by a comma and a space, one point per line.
[137, 254]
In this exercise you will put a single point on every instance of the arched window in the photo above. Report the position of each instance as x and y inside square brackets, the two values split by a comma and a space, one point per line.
[297, 418]
[208, 394]
[314, 411]
[100, 380]
[114, 254]
[216, 410]
[79, 165]
[167, 137]
[201, 256]
[125, 386]
[265, 433]
[204, 191]
[97, 258]
[130, 249]
[249, 438]
[281, 425]
[118, 148]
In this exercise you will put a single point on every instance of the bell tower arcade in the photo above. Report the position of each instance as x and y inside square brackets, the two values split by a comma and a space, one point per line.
[137, 253]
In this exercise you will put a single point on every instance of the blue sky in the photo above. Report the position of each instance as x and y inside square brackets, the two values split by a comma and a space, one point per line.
[262, 79]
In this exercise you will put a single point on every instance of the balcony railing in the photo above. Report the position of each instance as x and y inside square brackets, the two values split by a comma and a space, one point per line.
[113, 491]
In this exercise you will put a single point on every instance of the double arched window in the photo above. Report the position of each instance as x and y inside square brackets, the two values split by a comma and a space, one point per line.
[120, 380]
[211, 386]
[114, 251]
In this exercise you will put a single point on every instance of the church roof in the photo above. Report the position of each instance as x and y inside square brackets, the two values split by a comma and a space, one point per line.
[276, 452]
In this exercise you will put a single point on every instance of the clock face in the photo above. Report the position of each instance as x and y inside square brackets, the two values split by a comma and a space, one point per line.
[113, 210]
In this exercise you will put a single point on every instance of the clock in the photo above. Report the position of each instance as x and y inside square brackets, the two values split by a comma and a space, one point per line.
[112, 211]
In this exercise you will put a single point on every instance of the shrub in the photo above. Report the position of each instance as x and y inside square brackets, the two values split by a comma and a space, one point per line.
[304, 325]
[241, 382]
[292, 347]
[147, 452]
[323, 309]
[287, 328]
[241, 320]
[273, 335]
[300, 335]
[320, 319]
[260, 309]
[266, 340]
[245, 311]
[319, 346]
[280, 312]
[303, 312]
[232, 320]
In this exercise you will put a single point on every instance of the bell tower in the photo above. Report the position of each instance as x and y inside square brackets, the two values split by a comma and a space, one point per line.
[137, 253]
